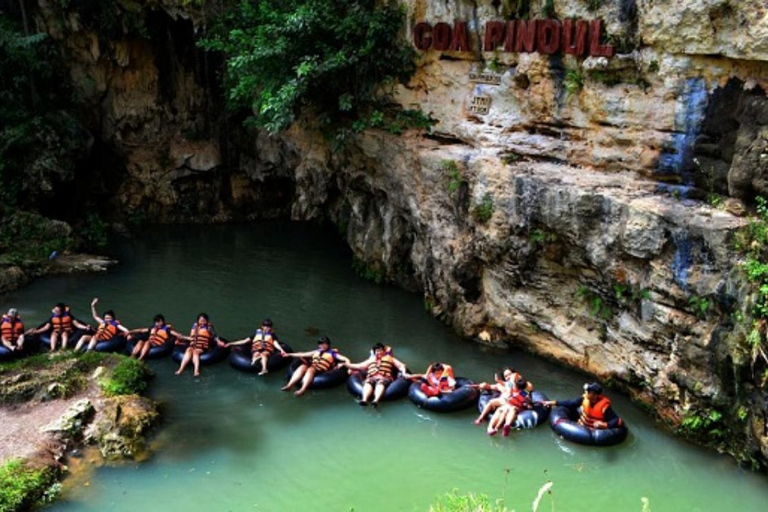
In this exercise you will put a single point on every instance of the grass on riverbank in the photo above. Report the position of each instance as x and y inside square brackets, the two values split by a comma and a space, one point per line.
[23, 487]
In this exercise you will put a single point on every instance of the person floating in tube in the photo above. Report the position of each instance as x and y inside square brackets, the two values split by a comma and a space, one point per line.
[201, 337]
[108, 328]
[317, 361]
[505, 387]
[13, 331]
[437, 380]
[518, 399]
[61, 324]
[380, 369]
[596, 411]
[263, 344]
[157, 336]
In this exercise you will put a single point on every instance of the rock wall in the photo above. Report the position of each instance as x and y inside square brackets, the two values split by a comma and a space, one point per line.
[568, 219]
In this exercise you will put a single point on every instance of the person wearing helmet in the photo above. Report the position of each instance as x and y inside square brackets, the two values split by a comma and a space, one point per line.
[313, 362]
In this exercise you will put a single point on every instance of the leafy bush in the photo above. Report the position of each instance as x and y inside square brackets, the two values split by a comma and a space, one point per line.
[23, 487]
[330, 55]
[95, 232]
[454, 174]
[129, 377]
[574, 81]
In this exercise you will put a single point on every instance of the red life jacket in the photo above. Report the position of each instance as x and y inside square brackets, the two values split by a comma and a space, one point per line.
[519, 399]
[592, 413]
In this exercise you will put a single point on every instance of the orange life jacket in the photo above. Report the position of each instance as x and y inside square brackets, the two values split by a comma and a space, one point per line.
[592, 413]
[384, 367]
[62, 322]
[11, 329]
[263, 341]
[159, 335]
[323, 360]
[202, 340]
[107, 330]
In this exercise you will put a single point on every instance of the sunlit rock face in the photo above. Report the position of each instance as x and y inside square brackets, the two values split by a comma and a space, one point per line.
[558, 203]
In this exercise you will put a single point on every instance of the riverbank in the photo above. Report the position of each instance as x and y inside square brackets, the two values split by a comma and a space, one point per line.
[13, 277]
[51, 406]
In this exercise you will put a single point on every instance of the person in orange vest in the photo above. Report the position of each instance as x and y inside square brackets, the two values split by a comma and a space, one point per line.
[13, 331]
[504, 387]
[158, 336]
[61, 324]
[108, 328]
[201, 337]
[263, 344]
[321, 360]
[380, 369]
[518, 399]
[437, 380]
[595, 407]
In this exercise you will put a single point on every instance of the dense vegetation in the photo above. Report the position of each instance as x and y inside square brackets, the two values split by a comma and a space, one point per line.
[23, 487]
[335, 56]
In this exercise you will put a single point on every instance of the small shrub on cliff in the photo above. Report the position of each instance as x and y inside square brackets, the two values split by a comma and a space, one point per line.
[574, 81]
[331, 55]
[483, 211]
[454, 174]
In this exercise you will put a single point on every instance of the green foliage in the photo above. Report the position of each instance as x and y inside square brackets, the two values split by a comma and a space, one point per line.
[455, 176]
[700, 306]
[395, 122]
[330, 55]
[742, 413]
[598, 307]
[368, 271]
[548, 9]
[23, 487]
[483, 211]
[654, 67]
[511, 158]
[455, 502]
[516, 8]
[28, 239]
[541, 237]
[129, 377]
[95, 232]
[38, 138]
[593, 5]
[705, 424]
[627, 295]
[715, 200]
[574, 81]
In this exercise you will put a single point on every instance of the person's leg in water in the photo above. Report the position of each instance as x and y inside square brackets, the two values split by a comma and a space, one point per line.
[496, 421]
[367, 392]
[185, 360]
[381, 386]
[54, 340]
[196, 361]
[492, 405]
[511, 416]
[64, 339]
[137, 348]
[145, 350]
[264, 360]
[296, 377]
[308, 378]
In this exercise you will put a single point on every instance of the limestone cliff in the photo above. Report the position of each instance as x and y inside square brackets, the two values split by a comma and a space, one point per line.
[556, 204]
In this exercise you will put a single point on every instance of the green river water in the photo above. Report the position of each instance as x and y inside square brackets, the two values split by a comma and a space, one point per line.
[233, 442]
